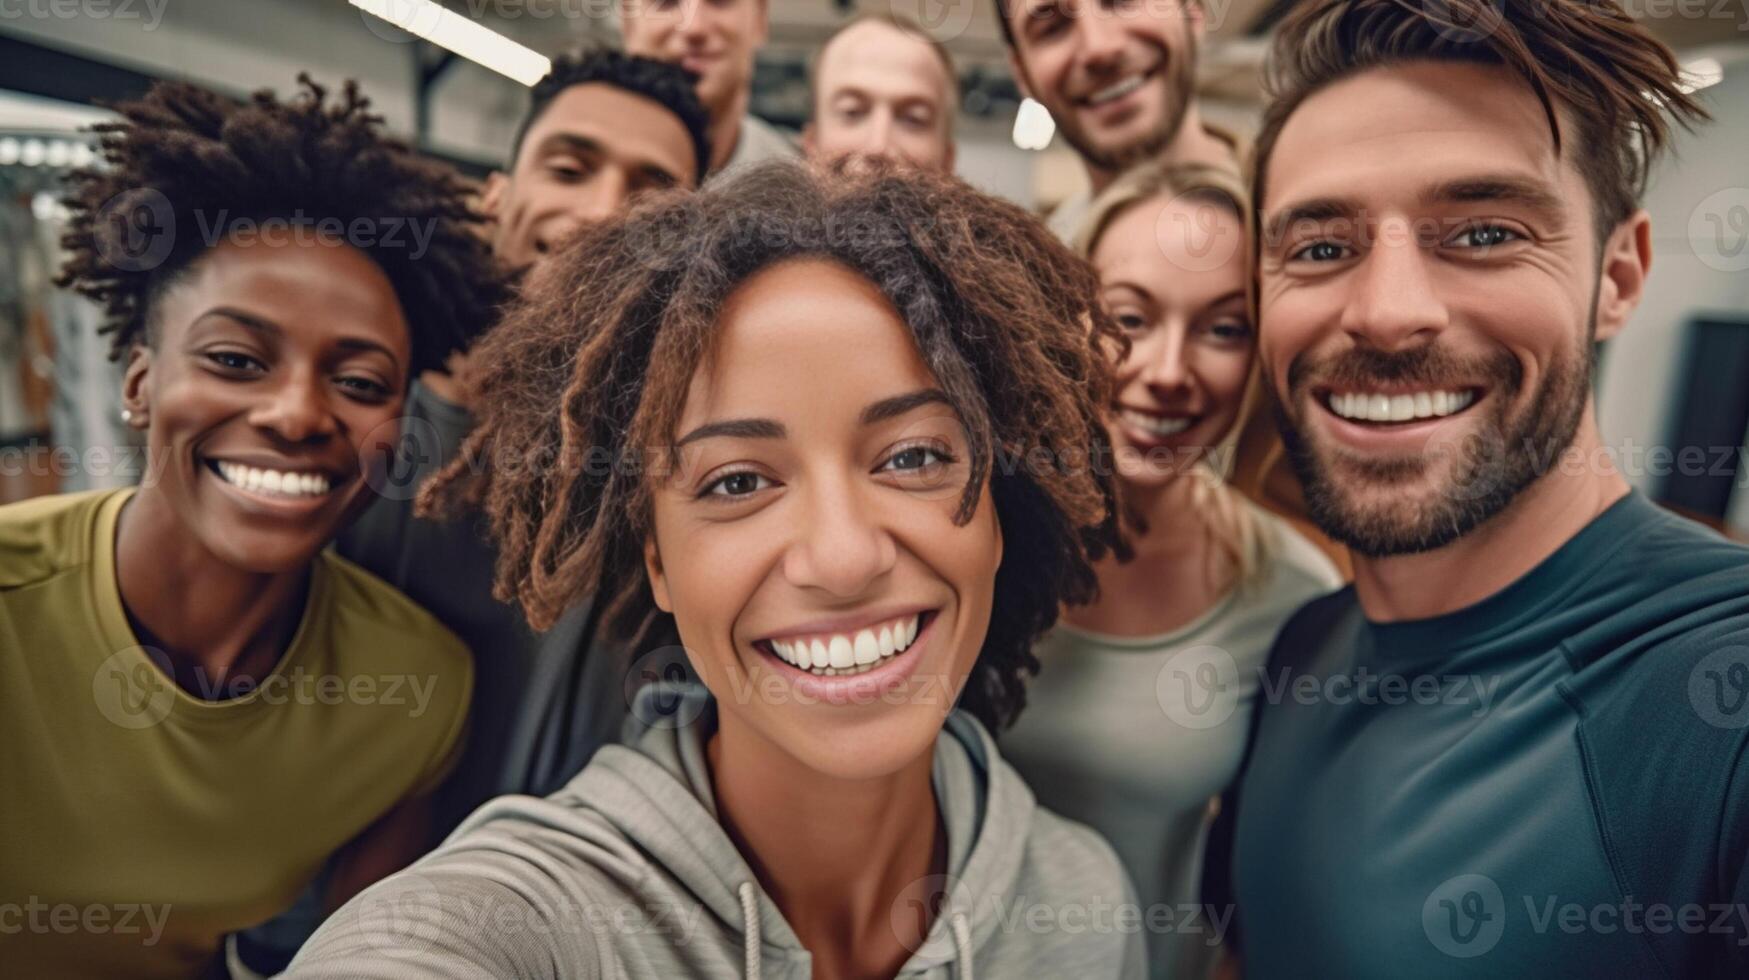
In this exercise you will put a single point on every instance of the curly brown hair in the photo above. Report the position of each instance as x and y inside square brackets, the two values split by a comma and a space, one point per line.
[585, 379]
[198, 165]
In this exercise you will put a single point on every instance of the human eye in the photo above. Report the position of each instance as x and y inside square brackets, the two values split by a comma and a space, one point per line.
[736, 485]
[1320, 251]
[917, 458]
[1483, 236]
[235, 362]
[1230, 331]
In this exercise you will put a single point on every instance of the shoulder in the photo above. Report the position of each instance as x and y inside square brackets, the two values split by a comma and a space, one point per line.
[766, 140]
[44, 536]
[374, 619]
[1297, 567]
[1065, 219]
[1072, 858]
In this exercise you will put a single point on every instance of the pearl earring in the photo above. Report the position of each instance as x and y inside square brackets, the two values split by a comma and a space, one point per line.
[127, 415]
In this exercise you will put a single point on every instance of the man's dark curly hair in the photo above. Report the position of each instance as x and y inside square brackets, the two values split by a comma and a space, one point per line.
[592, 364]
[186, 166]
[669, 85]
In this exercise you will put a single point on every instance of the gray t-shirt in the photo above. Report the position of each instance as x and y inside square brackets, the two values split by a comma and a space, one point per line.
[759, 141]
[1127, 735]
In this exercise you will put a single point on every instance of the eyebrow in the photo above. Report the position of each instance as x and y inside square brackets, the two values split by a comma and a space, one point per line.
[1502, 188]
[590, 146]
[262, 325]
[1315, 210]
[881, 411]
[573, 142]
[1481, 189]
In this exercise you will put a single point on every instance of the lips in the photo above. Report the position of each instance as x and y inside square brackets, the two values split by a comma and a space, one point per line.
[1117, 90]
[859, 684]
[280, 488]
[1392, 407]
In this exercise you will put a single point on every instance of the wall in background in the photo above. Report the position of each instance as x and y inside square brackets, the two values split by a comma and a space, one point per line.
[1694, 230]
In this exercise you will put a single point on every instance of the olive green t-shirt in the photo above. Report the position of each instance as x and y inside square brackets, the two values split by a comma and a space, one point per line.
[140, 824]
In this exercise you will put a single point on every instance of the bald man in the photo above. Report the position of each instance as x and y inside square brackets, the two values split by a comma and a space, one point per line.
[883, 88]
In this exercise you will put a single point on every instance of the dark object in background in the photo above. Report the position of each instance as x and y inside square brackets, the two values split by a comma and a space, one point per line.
[1713, 416]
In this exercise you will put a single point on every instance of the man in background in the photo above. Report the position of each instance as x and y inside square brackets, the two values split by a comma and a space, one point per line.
[883, 88]
[715, 40]
[1119, 79]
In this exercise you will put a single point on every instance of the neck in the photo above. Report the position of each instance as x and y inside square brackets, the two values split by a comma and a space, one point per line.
[1191, 144]
[725, 129]
[1534, 526]
[216, 623]
[1175, 525]
[834, 854]
[1177, 572]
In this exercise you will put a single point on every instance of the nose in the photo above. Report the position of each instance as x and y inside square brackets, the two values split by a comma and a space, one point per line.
[841, 547]
[1393, 301]
[1102, 39]
[877, 135]
[296, 410]
[602, 197]
[1166, 358]
[692, 24]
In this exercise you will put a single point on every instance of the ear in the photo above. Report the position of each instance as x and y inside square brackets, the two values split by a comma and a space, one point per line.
[808, 140]
[658, 581]
[1621, 281]
[492, 197]
[1198, 17]
[764, 34]
[1018, 70]
[133, 386]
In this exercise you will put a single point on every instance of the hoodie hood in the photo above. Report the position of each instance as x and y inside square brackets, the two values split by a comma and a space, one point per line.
[656, 790]
[627, 873]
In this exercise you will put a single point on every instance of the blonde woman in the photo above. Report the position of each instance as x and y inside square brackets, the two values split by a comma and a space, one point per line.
[1139, 716]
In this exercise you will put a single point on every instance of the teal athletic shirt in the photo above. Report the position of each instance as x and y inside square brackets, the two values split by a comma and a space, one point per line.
[1550, 783]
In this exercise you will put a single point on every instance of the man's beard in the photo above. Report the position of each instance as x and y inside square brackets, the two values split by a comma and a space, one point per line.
[1489, 467]
[1179, 78]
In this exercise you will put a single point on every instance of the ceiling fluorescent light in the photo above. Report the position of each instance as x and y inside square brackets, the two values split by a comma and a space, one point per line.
[454, 32]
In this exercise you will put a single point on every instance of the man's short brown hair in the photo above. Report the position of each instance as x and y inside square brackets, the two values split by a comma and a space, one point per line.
[1587, 56]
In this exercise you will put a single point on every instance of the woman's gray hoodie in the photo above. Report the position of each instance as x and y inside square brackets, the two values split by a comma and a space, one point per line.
[627, 873]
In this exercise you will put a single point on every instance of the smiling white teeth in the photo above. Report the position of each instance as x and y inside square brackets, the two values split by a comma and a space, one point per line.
[1159, 425]
[1115, 91]
[849, 653]
[279, 483]
[1362, 407]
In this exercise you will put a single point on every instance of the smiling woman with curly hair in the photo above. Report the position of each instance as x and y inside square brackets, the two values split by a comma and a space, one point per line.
[199, 704]
[845, 432]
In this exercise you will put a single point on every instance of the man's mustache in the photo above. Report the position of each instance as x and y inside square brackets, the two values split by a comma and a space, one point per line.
[1429, 365]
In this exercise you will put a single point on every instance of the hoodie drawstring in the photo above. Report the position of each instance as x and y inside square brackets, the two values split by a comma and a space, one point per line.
[962, 941]
[750, 927]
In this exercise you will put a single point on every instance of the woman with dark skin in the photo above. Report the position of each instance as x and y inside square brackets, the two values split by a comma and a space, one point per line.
[838, 429]
[199, 705]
